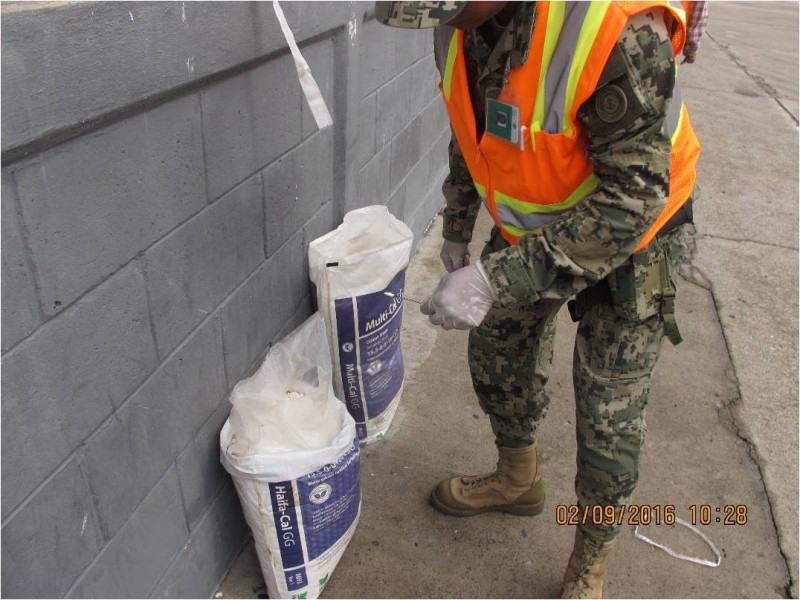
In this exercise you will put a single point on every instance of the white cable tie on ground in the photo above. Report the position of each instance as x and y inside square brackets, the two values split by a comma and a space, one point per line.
[671, 552]
[310, 88]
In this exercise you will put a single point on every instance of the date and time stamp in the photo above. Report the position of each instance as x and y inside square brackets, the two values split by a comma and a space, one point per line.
[650, 514]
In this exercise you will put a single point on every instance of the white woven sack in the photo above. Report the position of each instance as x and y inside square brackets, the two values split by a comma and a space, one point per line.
[359, 273]
[302, 504]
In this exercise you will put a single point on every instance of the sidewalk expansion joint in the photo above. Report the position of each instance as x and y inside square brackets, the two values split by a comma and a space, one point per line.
[752, 451]
[760, 81]
[749, 241]
[696, 276]
[687, 270]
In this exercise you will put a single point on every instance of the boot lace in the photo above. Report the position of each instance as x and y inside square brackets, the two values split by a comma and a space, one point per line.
[590, 553]
[479, 481]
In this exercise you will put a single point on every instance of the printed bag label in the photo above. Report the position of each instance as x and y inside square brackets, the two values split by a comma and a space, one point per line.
[370, 355]
[313, 513]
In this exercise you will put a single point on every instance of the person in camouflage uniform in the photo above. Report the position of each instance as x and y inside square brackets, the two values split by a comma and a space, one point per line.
[624, 302]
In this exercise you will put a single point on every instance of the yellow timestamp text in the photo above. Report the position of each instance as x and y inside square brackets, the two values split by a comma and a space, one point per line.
[649, 514]
[727, 514]
[610, 515]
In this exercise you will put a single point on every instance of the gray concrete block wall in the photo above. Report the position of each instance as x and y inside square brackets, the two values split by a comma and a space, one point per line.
[146, 171]
[162, 178]
[20, 304]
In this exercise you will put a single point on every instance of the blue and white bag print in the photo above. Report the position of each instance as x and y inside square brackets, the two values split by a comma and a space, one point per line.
[359, 273]
[292, 451]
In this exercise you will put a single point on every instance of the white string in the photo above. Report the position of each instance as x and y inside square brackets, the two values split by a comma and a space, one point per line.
[671, 552]
[310, 88]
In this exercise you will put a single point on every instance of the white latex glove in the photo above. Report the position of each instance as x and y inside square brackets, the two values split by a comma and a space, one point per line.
[461, 300]
[454, 255]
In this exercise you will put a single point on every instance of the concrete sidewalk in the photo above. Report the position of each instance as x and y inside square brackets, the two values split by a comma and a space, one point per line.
[722, 422]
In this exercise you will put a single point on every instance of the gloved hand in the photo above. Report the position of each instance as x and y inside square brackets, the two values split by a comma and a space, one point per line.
[454, 255]
[461, 300]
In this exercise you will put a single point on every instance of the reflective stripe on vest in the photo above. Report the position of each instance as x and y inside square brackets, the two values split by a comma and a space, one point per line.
[525, 187]
[571, 29]
[527, 217]
[560, 74]
[519, 217]
[673, 118]
[447, 77]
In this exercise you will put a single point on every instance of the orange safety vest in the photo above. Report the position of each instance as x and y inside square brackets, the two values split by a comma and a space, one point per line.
[531, 183]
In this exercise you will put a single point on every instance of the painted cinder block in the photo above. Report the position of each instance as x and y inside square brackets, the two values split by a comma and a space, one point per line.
[134, 561]
[423, 76]
[416, 185]
[320, 58]
[371, 181]
[376, 55]
[321, 223]
[439, 160]
[434, 122]
[304, 310]
[20, 304]
[154, 466]
[405, 151]
[248, 121]
[387, 51]
[92, 204]
[64, 64]
[420, 218]
[394, 101]
[412, 46]
[312, 19]
[48, 543]
[200, 473]
[203, 561]
[131, 451]
[296, 186]
[189, 272]
[257, 310]
[397, 202]
[61, 383]
[365, 141]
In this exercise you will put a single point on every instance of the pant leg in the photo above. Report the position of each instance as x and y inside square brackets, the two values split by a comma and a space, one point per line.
[613, 363]
[616, 349]
[509, 359]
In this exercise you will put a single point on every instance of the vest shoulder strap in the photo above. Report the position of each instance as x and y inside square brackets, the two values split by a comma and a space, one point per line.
[441, 44]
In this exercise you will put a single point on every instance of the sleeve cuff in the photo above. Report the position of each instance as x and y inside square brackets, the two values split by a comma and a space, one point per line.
[510, 279]
[457, 229]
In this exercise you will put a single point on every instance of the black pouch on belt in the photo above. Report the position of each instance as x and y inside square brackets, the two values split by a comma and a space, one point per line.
[644, 287]
[639, 289]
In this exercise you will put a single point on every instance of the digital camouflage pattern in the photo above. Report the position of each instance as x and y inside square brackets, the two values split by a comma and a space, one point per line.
[630, 158]
[417, 15]
[616, 348]
[613, 361]
[462, 202]
[618, 340]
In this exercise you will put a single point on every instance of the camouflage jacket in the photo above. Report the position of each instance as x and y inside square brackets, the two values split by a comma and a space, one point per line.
[630, 157]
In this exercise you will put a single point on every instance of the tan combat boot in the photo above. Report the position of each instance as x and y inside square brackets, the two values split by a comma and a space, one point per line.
[586, 568]
[515, 487]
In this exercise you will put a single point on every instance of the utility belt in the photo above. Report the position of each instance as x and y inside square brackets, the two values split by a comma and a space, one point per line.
[644, 286]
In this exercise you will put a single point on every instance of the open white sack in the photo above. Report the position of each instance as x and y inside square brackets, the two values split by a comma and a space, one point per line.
[291, 447]
[359, 273]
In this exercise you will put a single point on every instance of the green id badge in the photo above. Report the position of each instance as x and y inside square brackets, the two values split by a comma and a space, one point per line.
[502, 120]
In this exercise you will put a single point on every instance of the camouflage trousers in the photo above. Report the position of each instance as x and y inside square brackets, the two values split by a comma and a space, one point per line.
[619, 337]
